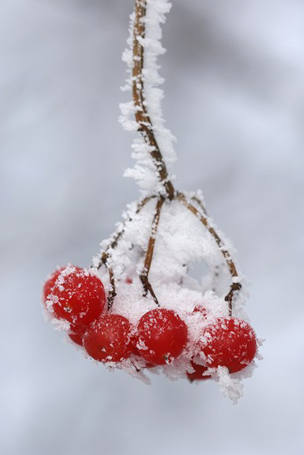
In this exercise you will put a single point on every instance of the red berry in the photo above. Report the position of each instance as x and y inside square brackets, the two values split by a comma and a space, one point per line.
[161, 336]
[229, 342]
[76, 338]
[109, 339]
[202, 310]
[76, 333]
[198, 373]
[77, 296]
[137, 353]
[50, 282]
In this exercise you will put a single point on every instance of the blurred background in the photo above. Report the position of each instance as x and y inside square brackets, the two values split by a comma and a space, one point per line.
[235, 100]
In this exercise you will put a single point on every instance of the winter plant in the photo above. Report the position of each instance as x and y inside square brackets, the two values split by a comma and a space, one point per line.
[137, 308]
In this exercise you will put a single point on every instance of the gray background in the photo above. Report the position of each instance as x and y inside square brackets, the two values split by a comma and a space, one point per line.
[234, 99]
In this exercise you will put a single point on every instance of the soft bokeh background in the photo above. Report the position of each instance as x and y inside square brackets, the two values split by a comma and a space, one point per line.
[235, 101]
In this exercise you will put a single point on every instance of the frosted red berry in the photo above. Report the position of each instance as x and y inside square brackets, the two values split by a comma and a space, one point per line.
[137, 354]
[76, 333]
[109, 339]
[228, 342]
[201, 310]
[77, 296]
[199, 372]
[50, 282]
[161, 336]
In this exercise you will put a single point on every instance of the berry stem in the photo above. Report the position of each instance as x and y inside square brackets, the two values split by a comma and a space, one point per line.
[117, 236]
[115, 239]
[112, 292]
[200, 203]
[145, 126]
[144, 276]
[235, 286]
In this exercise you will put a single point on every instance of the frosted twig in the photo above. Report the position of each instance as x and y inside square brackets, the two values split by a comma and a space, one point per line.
[235, 286]
[117, 236]
[142, 117]
[200, 203]
[106, 254]
[112, 292]
[144, 276]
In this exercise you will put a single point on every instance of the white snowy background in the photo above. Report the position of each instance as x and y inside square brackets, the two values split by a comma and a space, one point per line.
[235, 101]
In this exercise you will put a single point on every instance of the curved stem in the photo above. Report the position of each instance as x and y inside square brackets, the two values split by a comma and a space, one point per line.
[106, 254]
[200, 203]
[117, 236]
[235, 286]
[144, 276]
[112, 292]
[142, 117]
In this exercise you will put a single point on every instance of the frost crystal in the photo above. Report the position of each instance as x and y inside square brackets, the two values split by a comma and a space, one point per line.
[230, 387]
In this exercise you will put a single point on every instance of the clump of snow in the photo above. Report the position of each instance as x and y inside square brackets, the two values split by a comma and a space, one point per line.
[61, 324]
[230, 386]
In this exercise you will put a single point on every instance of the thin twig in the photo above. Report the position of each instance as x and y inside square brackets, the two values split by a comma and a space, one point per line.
[144, 276]
[235, 286]
[105, 255]
[215, 271]
[142, 117]
[200, 203]
[112, 292]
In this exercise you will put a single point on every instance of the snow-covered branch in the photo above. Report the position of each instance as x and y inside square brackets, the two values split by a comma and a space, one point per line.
[155, 146]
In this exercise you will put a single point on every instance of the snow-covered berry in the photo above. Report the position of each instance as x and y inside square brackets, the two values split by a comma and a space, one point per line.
[75, 295]
[199, 372]
[161, 336]
[201, 310]
[109, 339]
[228, 342]
[77, 332]
[50, 282]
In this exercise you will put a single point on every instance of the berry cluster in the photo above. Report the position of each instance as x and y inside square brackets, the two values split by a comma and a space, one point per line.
[77, 296]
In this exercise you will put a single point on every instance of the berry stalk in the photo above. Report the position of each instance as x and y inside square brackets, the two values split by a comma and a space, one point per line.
[235, 285]
[144, 276]
[145, 126]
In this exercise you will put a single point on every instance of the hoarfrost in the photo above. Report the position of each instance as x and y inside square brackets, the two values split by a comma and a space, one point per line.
[230, 387]
[144, 170]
